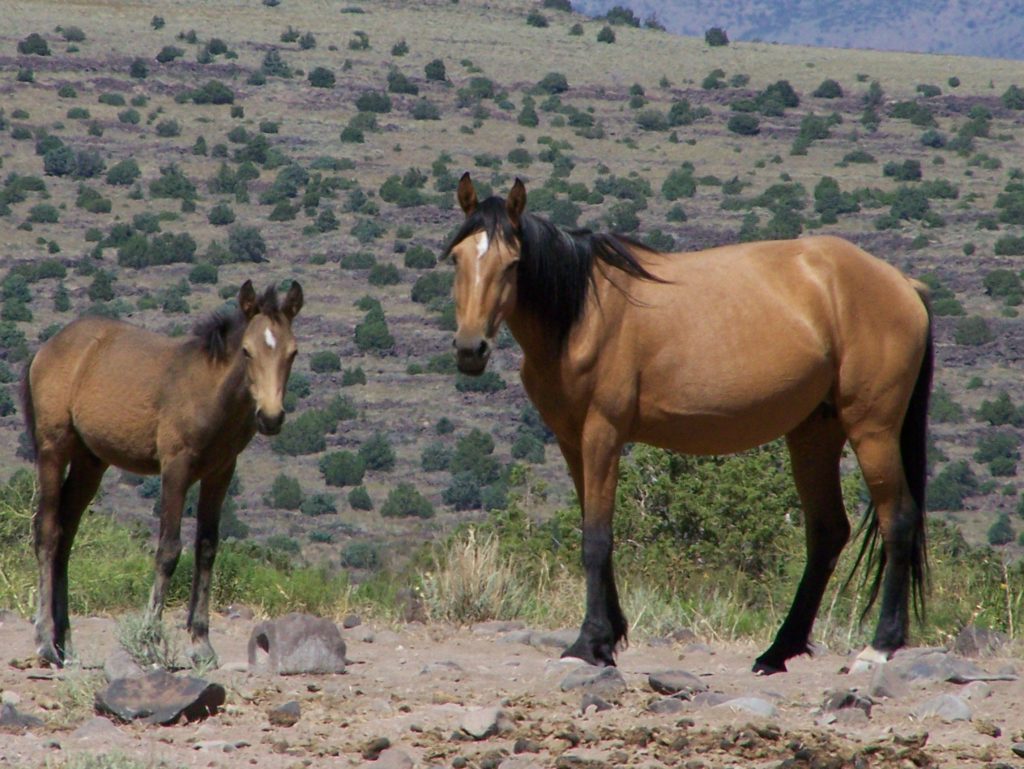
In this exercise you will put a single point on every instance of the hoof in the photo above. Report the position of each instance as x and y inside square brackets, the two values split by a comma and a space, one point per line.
[203, 657]
[49, 656]
[765, 668]
[583, 651]
[869, 659]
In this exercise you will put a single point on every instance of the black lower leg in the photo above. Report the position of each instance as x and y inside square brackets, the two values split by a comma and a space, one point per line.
[604, 625]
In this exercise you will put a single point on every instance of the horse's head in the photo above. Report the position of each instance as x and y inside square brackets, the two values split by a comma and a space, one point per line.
[486, 253]
[269, 348]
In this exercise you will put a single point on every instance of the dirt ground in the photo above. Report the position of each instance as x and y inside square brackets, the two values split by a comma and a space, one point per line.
[413, 684]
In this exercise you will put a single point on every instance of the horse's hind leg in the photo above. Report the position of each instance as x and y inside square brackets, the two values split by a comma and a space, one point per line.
[212, 491]
[898, 521]
[79, 488]
[815, 448]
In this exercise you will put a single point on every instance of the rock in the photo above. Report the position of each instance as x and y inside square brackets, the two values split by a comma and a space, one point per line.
[160, 698]
[667, 706]
[485, 722]
[710, 699]
[391, 758]
[676, 683]
[887, 683]
[558, 639]
[13, 721]
[524, 745]
[939, 665]
[591, 700]
[851, 718]
[98, 729]
[120, 664]
[372, 750]
[584, 758]
[1018, 749]
[839, 699]
[237, 611]
[682, 636]
[517, 637]
[948, 707]
[987, 728]
[351, 620]
[296, 643]
[605, 682]
[521, 762]
[287, 714]
[411, 605]
[974, 641]
[441, 666]
[754, 705]
[214, 746]
[496, 627]
[976, 690]
[10, 698]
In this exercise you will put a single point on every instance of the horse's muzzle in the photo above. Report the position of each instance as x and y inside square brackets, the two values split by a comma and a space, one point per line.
[269, 425]
[473, 360]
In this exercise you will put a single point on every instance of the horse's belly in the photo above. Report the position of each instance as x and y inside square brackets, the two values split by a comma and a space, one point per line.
[123, 436]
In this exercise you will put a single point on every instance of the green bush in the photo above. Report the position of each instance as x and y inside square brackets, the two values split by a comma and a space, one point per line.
[359, 499]
[221, 215]
[829, 89]
[303, 434]
[433, 285]
[377, 453]
[361, 555]
[1001, 411]
[488, 382]
[404, 500]
[374, 101]
[1012, 98]
[285, 493]
[606, 35]
[124, 173]
[972, 331]
[34, 45]
[321, 77]
[1001, 531]
[463, 493]
[342, 468]
[372, 333]
[435, 70]
[424, 109]
[318, 504]
[715, 36]
[384, 275]
[325, 361]
[353, 376]
[744, 124]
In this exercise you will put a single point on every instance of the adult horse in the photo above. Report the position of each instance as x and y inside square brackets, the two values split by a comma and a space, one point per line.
[103, 393]
[710, 353]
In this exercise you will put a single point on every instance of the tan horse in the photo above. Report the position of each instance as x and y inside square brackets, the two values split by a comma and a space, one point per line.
[710, 353]
[103, 393]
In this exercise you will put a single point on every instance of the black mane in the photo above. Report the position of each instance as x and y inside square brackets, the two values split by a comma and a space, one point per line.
[556, 266]
[220, 334]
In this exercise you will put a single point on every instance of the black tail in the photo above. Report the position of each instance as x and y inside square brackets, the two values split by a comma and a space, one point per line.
[914, 450]
[28, 410]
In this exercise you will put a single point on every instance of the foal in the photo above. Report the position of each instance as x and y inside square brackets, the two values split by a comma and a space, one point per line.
[102, 392]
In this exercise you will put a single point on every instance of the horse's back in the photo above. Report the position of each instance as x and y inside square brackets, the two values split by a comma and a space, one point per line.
[100, 379]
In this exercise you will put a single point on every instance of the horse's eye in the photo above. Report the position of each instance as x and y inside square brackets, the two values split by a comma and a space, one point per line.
[246, 353]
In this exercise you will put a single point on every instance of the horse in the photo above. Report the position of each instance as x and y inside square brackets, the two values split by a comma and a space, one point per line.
[103, 392]
[714, 352]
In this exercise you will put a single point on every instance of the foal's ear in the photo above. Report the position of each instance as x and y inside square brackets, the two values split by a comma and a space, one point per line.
[467, 194]
[247, 300]
[292, 301]
[516, 201]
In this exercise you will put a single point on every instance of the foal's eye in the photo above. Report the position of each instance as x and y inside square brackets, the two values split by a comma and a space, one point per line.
[246, 352]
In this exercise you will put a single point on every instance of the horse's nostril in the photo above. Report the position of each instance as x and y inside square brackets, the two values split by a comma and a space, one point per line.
[481, 350]
[454, 342]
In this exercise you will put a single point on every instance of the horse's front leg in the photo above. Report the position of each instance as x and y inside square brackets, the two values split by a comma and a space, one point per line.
[174, 485]
[604, 625]
[211, 497]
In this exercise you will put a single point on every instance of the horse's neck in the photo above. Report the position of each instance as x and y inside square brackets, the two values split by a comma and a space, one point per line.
[224, 387]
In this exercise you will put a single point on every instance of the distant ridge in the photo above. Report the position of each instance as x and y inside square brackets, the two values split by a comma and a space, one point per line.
[991, 28]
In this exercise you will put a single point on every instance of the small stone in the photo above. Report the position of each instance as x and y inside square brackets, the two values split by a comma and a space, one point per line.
[710, 699]
[351, 620]
[987, 728]
[238, 611]
[524, 745]
[485, 722]
[496, 627]
[442, 666]
[912, 740]
[520, 762]
[676, 683]
[10, 697]
[851, 717]
[886, 683]
[1018, 749]
[606, 682]
[666, 706]
[948, 707]
[753, 705]
[584, 758]
[372, 750]
[517, 637]
[98, 729]
[285, 715]
[120, 664]
[215, 746]
[839, 699]
[559, 639]
[392, 758]
[976, 690]
[12, 720]
[591, 700]
[974, 641]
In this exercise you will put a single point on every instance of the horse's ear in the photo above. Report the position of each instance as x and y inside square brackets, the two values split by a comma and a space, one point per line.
[467, 194]
[516, 201]
[292, 301]
[247, 300]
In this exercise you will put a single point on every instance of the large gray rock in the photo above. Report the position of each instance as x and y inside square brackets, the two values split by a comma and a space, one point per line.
[886, 683]
[939, 665]
[13, 721]
[676, 683]
[604, 682]
[160, 698]
[948, 707]
[485, 722]
[99, 730]
[295, 644]
[390, 758]
[974, 641]
[120, 664]
[753, 705]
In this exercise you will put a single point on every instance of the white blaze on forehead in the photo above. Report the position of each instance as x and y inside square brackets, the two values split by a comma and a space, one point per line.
[270, 339]
[482, 244]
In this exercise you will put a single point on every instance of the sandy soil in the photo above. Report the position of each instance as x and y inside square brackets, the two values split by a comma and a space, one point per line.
[413, 684]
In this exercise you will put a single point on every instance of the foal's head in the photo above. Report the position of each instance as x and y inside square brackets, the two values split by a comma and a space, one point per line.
[486, 252]
[268, 347]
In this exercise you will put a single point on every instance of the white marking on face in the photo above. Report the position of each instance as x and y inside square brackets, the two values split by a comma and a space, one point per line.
[482, 244]
[269, 338]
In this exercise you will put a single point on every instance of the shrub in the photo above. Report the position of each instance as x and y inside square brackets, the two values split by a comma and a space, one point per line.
[1012, 98]
[169, 53]
[302, 435]
[536, 19]
[321, 77]
[361, 555]
[997, 445]
[404, 500]
[318, 504]
[324, 361]
[358, 260]
[353, 376]
[285, 493]
[744, 125]
[43, 213]
[274, 65]
[424, 109]
[34, 45]
[399, 83]
[420, 258]
[553, 82]
[527, 447]
[432, 285]
[1009, 245]
[212, 92]
[1001, 532]
[435, 457]
[377, 453]
[829, 89]
[435, 70]
[220, 215]
[359, 499]
[606, 35]
[679, 183]
[1003, 284]
[342, 468]
[384, 275]
[972, 331]
[908, 170]
[1001, 411]
[716, 36]
[372, 333]
[203, 274]
[463, 493]
[246, 244]
[374, 101]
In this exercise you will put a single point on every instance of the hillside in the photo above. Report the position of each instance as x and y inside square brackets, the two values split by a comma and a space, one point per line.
[340, 138]
[992, 28]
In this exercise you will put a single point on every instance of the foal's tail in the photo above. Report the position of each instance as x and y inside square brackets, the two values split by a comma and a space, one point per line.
[914, 452]
[28, 410]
